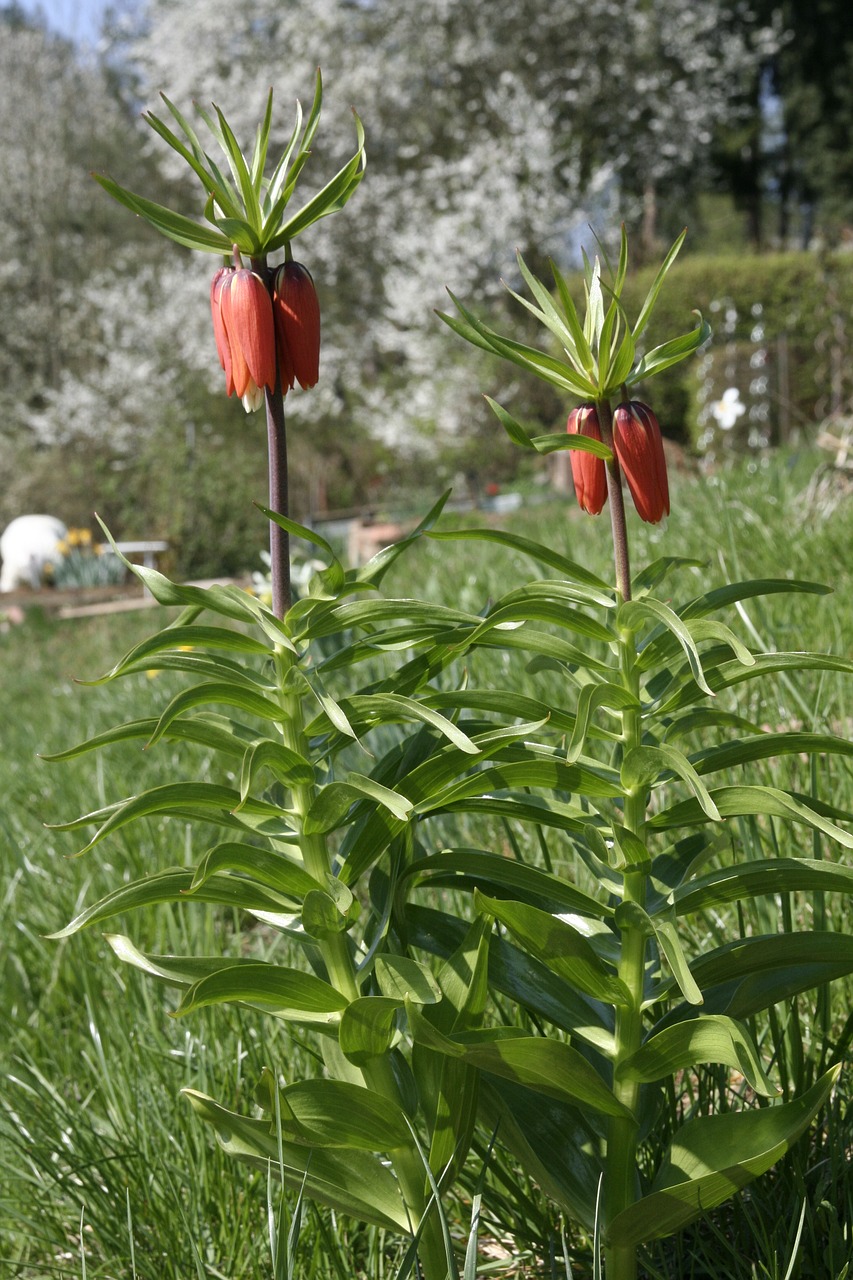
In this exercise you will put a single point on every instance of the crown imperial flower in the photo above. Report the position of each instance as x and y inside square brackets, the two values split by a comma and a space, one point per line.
[638, 445]
[244, 332]
[588, 471]
[297, 323]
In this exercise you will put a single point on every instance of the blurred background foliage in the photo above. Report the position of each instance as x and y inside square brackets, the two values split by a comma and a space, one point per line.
[490, 127]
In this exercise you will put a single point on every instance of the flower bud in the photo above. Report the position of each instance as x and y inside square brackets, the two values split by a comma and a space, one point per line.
[244, 331]
[588, 471]
[297, 323]
[639, 447]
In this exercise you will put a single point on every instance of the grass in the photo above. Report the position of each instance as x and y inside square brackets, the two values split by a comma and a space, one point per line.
[104, 1173]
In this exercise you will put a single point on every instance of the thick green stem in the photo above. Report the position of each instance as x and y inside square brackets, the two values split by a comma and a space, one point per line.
[621, 1172]
[377, 1074]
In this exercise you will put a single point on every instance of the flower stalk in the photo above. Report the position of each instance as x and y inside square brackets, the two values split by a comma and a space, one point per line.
[617, 503]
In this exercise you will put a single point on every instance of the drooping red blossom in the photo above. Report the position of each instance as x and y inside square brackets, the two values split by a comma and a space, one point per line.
[297, 323]
[588, 471]
[223, 350]
[639, 447]
[244, 331]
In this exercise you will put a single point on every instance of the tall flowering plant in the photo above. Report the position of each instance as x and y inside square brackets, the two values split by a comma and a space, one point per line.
[336, 796]
[266, 318]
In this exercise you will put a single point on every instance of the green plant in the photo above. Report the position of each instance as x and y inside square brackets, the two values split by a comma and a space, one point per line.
[448, 984]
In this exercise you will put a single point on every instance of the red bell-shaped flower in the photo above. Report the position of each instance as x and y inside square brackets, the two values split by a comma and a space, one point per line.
[297, 324]
[244, 331]
[588, 471]
[638, 445]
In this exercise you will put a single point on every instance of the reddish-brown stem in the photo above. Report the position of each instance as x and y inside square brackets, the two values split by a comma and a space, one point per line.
[617, 504]
[277, 447]
[279, 538]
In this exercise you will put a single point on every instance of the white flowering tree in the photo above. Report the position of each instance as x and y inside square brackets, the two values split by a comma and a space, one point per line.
[459, 97]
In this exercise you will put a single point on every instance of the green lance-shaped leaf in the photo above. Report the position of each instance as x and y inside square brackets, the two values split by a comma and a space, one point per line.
[748, 975]
[228, 694]
[764, 746]
[311, 126]
[215, 187]
[174, 971]
[192, 235]
[707, 1038]
[545, 769]
[590, 698]
[534, 550]
[228, 737]
[493, 873]
[734, 592]
[176, 885]
[657, 284]
[632, 851]
[535, 604]
[334, 801]
[299, 531]
[735, 802]
[642, 767]
[562, 328]
[276, 183]
[655, 573]
[634, 612]
[730, 674]
[351, 1182]
[241, 173]
[203, 800]
[550, 443]
[256, 864]
[185, 637]
[393, 706]
[330, 199]
[326, 912]
[558, 372]
[287, 993]
[661, 647]
[551, 1140]
[712, 1158]
[371, 836]
[368, 1028]
[285, 764]
[558, 945]
[374, 571]
[336, 1113]
[519, 976]
[662, 927]
[463, 979]
[510, 705]
[259, 151]
[401, 978]
[670, 353]
[550, 1067]
[766, 876]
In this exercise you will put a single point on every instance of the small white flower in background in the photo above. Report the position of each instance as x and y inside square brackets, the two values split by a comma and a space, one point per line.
[728, 409]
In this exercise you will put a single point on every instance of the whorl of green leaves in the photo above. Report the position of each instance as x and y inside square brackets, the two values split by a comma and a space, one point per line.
[601, 353]
[243, 204]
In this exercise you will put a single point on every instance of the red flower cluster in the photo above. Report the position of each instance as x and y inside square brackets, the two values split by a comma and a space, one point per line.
[259, 335]
[638, 445]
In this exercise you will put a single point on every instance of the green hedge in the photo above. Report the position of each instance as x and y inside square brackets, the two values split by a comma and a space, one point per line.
[795, 308]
